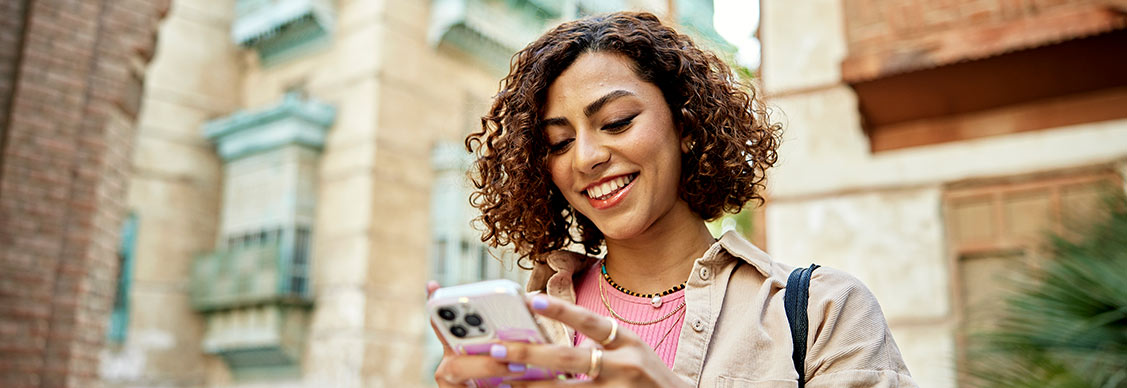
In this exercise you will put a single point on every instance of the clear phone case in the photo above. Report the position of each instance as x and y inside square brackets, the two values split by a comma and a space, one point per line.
[472, 317]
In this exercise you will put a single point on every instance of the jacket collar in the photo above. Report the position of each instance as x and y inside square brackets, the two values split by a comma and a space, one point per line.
[734, 246]
[556, 274]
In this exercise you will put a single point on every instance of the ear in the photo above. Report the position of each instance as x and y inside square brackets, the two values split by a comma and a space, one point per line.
[687, 144]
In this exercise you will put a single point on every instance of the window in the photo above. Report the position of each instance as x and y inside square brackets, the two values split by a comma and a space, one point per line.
[458, 253]
[119, 316]
[995, 229]
[299, 272]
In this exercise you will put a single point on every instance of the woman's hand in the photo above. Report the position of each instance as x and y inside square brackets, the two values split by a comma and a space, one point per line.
[625, 361]
[456, 370]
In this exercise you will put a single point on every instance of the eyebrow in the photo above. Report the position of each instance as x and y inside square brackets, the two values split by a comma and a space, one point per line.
[591, 108]
[598, 104]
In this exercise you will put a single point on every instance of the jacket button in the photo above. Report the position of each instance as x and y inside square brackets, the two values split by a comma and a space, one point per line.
[698, 325]
[704, 273]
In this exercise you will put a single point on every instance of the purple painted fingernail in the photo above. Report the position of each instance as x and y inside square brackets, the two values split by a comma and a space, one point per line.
[498, 351]
[539, 302]
[504, 386]
[516, 367]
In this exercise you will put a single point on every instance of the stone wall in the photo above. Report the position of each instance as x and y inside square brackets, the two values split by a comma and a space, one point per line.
[892, 240]
[175, 195]
[428, 95]
[72, 93]
[395, 96]
[879, 215]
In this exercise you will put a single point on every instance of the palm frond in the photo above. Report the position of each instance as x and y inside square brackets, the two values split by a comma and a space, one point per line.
[1065, 325]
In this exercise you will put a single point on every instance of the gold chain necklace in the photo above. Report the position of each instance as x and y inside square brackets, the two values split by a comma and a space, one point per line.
[603, 296]
[671, 327]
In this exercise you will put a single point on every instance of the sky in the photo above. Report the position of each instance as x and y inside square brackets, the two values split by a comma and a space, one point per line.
[736, 21]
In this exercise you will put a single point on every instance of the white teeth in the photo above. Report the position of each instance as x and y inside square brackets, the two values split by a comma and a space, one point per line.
[608, 187]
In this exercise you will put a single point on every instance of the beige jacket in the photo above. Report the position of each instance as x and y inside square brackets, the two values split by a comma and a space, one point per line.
[736, 332]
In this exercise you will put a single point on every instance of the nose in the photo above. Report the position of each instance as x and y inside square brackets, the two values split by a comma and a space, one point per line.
[591, 153]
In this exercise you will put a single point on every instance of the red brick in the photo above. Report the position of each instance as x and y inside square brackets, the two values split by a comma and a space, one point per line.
[62, 188]
[917, 20]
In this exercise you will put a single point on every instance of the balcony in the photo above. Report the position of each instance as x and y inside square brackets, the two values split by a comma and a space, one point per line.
[281, 29]
[255, 299]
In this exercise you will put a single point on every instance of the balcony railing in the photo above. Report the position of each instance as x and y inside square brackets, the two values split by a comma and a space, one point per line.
[264, 272]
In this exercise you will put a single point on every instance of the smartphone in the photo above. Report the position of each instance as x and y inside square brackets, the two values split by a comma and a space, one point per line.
[472, 317]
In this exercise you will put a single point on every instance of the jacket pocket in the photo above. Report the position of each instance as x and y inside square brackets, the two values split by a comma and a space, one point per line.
[738, 382]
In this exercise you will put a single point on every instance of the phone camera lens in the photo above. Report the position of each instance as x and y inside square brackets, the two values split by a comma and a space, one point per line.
[473, 320]
[446, 313]
[458, 331]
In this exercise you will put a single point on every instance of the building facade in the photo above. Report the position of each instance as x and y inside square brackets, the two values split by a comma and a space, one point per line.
[299, 175]
[255, 193]
[931, 145]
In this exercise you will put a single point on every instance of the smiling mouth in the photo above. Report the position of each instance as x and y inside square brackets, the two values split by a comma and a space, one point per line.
[609, 188]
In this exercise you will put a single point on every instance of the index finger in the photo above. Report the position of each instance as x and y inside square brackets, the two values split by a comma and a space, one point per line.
[594, 326]
[432, 286]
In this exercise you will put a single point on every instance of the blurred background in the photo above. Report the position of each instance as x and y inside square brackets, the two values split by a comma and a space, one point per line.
[252, 193]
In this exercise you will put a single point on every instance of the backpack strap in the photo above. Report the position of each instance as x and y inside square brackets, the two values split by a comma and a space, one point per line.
[794, 301]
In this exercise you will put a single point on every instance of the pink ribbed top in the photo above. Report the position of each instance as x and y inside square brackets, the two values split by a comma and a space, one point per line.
[636, 309]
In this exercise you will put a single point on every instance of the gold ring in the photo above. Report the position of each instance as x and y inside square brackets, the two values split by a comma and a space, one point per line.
[613, 332]
[596, 363]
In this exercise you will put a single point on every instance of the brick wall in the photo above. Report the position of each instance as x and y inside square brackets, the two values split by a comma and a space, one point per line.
[11, 33]
[883, 25]
[73, 90]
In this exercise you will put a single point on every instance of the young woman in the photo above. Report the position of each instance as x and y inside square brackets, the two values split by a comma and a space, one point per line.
[616, 132]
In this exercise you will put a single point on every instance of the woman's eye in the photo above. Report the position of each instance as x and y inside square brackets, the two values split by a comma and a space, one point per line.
[619, 125]
[559, 147]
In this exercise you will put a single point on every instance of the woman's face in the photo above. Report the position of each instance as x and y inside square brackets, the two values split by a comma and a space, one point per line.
[614, 152]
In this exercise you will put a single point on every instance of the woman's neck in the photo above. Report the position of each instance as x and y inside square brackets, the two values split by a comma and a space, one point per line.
[662, 256]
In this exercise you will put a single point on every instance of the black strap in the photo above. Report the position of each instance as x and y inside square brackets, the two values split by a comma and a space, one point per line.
[794, 301]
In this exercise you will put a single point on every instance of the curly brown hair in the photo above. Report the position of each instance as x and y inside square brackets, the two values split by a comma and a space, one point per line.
[733, 141]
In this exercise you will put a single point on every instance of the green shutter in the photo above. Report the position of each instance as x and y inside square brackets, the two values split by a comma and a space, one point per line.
[119, 317]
